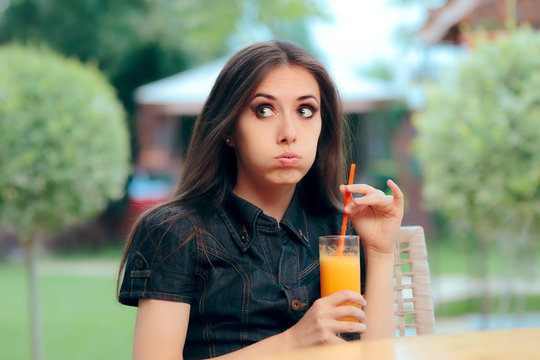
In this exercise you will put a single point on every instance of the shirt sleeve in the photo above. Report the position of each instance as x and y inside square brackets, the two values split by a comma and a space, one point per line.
[161, 261]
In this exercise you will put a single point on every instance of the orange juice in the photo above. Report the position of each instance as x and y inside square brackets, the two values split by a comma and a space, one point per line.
[339, 273]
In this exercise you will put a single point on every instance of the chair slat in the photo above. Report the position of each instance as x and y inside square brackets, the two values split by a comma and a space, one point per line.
[411, 242]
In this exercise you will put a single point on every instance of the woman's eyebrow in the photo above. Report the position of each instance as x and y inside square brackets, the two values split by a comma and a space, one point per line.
[268, 96]
[309, 97]
[272, 97]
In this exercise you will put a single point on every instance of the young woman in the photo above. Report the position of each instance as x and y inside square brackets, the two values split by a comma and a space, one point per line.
[229, 267]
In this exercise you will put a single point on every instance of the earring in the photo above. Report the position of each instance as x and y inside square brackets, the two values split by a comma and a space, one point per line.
[228, 140]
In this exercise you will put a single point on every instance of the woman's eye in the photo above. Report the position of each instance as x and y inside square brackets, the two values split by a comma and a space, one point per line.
[305, 112]
[264, 111]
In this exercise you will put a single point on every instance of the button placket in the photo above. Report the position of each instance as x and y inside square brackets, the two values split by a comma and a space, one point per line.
[288, 263]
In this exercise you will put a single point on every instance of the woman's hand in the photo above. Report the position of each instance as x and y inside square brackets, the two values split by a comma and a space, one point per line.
[375, 216]
[321, 323]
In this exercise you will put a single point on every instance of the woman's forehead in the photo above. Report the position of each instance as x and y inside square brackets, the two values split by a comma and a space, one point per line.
[289, 79]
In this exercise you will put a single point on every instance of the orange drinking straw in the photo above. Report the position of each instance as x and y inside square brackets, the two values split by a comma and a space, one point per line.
[344, 223]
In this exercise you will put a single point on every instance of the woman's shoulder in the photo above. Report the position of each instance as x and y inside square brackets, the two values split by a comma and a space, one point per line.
[166, 214]
[165, 224]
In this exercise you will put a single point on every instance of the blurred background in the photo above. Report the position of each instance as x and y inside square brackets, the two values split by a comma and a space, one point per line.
[98, 99]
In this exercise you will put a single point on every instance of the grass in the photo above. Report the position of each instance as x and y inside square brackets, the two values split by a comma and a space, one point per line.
[473, 305]
[82, 320]
[450, 256]
[79, 315]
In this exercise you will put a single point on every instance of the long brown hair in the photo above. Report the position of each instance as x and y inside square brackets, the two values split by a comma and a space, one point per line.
[210, 166]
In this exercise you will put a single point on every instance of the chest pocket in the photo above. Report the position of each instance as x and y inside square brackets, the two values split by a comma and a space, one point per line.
[226, 292]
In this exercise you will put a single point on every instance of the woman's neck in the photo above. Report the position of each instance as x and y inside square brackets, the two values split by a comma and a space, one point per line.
[274, 202]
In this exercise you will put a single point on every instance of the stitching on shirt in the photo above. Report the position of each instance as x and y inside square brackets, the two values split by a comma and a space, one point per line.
[240, 270]
[209, 234]
[309, 269]
[206, 336]
[145, 293]
[203, 293]
[163, 235]
[195, 230]
[156, 246]
[158, 226]
[293, 229]
[297, 263]
[140, 274]
[252, 220]
[272, 276]
[229, 221]
[268, 275]
[201, 245]
[305, 226]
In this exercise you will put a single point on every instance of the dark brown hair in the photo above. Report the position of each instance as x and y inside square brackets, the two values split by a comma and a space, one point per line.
[210, 166]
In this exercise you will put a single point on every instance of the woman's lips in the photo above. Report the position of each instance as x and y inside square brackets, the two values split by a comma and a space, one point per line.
[288, 159]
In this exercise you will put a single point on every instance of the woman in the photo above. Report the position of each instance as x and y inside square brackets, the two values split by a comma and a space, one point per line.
[229, 267]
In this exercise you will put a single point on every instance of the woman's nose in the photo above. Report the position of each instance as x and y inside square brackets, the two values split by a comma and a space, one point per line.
[287, 132]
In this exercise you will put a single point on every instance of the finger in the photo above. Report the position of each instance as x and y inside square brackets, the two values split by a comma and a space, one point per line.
[333, 338]
[349, 327]
[374, 200]
[363, 189]
[345, 296]
[349, 311]
[398, 195]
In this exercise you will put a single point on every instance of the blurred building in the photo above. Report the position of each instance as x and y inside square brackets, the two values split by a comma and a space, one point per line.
[456, 20]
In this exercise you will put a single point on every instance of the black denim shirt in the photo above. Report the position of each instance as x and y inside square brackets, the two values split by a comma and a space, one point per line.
[246, 276]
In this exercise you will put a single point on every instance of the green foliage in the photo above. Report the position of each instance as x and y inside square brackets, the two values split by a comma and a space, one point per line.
[64, 149]
[137, 41]
[81, 319]
[479, 140]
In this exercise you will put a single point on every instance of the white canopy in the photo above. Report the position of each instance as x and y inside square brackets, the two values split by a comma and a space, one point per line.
[185, 92]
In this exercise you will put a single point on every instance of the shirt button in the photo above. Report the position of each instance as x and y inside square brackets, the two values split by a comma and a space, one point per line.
[138, 263]
[297, 305]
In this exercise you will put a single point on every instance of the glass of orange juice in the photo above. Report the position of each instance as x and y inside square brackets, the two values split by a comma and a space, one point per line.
[339, 271]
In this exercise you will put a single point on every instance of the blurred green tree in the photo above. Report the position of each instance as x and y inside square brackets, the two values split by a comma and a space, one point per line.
[64, 146]
[479, 144]
[137, 41]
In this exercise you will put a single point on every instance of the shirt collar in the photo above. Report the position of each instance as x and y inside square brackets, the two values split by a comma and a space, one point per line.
[295, 220]
[241, 217]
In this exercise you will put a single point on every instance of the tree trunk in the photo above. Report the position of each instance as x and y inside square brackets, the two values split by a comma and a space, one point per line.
[33, 297]
[485, 307]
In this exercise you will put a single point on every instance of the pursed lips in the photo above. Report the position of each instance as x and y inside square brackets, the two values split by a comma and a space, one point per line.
[288, 159]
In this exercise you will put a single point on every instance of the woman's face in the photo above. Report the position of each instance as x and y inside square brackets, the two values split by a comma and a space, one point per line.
[276, 135]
